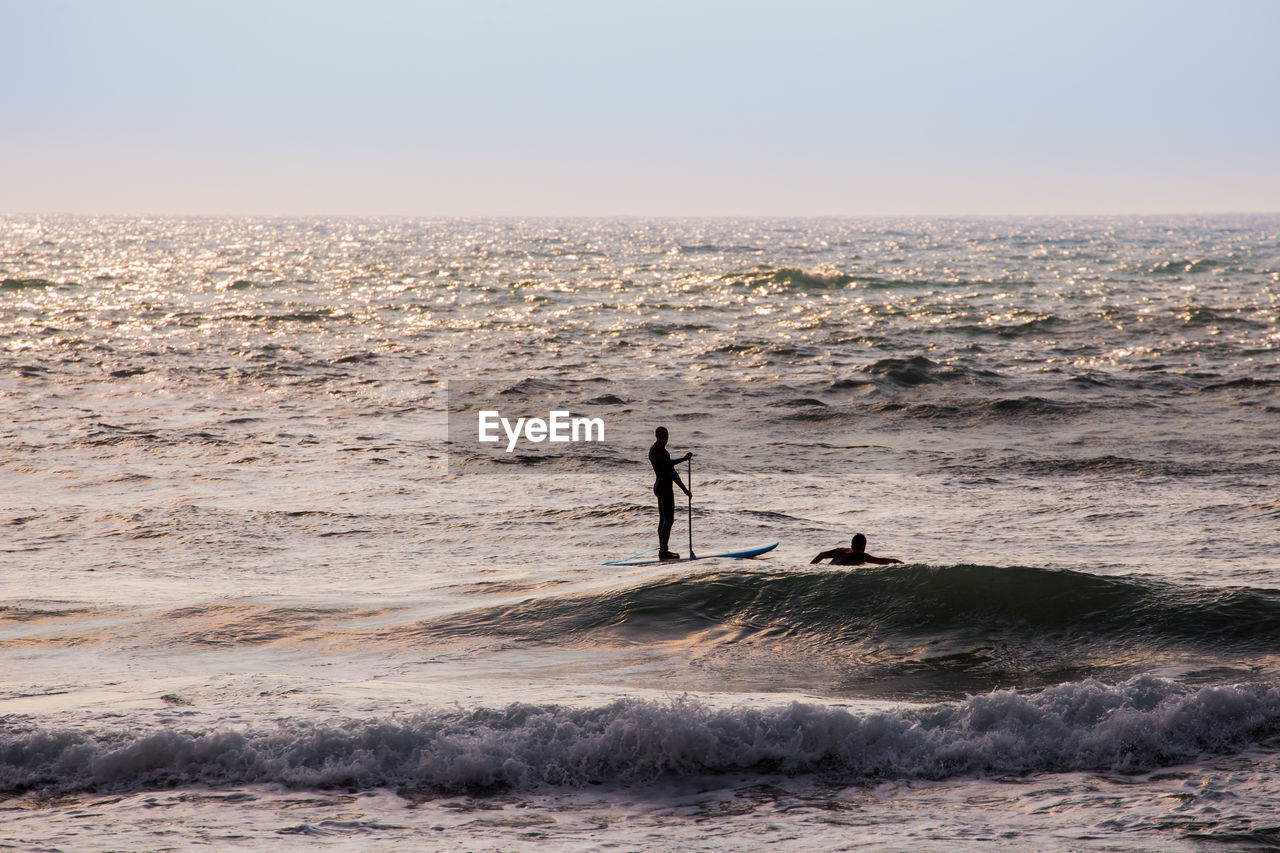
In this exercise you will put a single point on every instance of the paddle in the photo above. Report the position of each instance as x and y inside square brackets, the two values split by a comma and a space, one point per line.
[689, 476]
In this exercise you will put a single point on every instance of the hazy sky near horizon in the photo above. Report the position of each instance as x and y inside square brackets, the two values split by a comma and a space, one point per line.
[499, 107]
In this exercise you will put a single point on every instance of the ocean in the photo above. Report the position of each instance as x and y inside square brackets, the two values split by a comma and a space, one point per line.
[262, 585]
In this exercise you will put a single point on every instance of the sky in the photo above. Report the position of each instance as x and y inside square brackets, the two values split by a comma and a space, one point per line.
[558, 108]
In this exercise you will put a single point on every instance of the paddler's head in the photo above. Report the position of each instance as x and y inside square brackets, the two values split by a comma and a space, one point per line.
[858, 542]
[661, 434]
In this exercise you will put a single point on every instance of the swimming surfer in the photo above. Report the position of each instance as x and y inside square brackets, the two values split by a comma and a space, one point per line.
[853, 556]
[664, 474]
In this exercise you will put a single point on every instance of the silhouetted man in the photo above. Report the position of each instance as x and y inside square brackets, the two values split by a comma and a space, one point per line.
[854, 556]
[664, 474]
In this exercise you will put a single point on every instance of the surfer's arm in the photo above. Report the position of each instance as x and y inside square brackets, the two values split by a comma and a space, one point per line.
[825, 555]
[675, 475]
[879, 561]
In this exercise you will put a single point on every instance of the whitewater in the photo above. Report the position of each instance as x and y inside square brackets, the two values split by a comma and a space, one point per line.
[261, 583]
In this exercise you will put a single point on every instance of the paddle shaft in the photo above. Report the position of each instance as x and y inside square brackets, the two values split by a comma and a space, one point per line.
[689, 485]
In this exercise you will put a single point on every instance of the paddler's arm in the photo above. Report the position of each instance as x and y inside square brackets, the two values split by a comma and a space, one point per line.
[825, 555]
[675, 473]
[879, 561]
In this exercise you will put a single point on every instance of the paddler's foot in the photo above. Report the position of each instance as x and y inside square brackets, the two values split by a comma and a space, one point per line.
[668, 555]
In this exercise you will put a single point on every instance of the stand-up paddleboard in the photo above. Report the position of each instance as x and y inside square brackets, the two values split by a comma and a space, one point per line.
[737, 555]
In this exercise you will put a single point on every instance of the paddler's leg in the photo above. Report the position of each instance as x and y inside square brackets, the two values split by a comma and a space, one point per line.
[666, 519]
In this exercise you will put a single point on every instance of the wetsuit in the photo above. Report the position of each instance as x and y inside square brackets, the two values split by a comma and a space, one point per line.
[664, 474]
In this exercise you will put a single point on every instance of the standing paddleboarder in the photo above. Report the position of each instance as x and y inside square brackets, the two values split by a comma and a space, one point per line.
[665, 473]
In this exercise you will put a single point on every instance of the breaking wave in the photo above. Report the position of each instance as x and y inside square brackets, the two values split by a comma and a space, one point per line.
[1085, 726]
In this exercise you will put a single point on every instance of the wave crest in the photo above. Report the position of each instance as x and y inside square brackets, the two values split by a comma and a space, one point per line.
[906, 631]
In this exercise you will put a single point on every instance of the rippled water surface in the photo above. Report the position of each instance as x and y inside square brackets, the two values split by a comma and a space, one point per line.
[244, 575]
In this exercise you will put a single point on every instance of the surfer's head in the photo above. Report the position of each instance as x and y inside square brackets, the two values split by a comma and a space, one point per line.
[858, 542]
[661, 434]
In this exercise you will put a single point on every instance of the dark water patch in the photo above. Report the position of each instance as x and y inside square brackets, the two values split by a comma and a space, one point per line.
[1158, 378]
[955, 410]
[799, 402]
[31, 613]
[920, 411]
[1047, 325]
[773, 353]
[328, 828]
[1238, 512]
[889, 282]
[1188, 266]
[142, 532]
[243, 624]
[252, 284]
[815, 414]
[27, 284]
[883, 282]
[506, 587]
[984, 409]
[1169, 468]
[131, 478]
[126, 372]
[789, 279]
[1247, 383]
[357, 358]
[1263, 838]
[732, 349]
[616, 511]
[534, 387]
[770, 516]
[107, 435]
[851, 384]
[1091, 381]
[719, 248]
[315, 513]
[1203, 316]
[919, 370]
[1031, 407]
[659, 328]
[316, 316]
[578, 460]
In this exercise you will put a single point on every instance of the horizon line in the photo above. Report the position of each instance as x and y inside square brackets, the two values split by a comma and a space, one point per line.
[637, 216]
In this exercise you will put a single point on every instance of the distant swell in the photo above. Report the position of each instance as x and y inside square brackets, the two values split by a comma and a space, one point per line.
[1087, 726]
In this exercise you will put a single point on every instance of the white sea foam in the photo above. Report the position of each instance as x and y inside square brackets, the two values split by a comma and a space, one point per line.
[1143, 723]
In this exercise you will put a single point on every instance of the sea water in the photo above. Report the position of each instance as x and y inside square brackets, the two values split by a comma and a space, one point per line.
[256, 588]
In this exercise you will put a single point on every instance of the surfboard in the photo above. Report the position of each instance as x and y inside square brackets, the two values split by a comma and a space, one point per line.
[745, 554]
